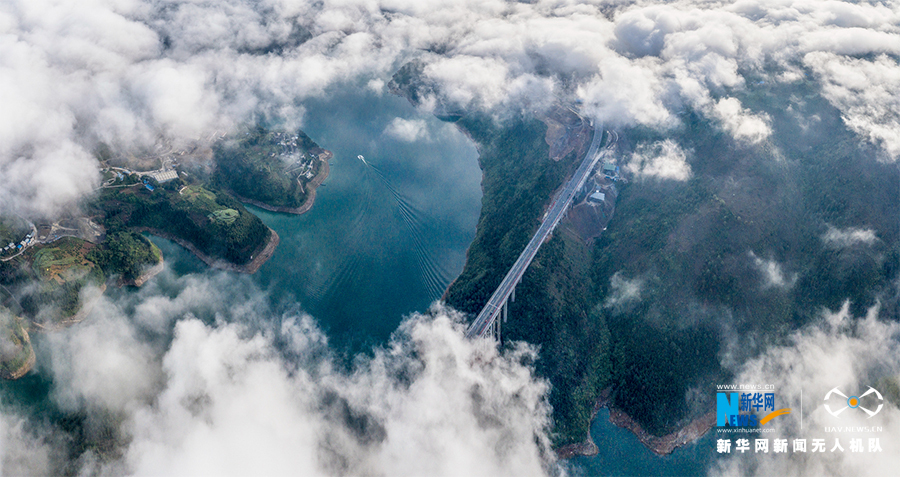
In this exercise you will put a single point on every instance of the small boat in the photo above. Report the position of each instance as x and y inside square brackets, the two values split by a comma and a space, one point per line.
[361, 158]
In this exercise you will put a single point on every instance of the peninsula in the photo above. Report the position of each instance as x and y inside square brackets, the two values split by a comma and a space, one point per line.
[16, 354]
[272, 170]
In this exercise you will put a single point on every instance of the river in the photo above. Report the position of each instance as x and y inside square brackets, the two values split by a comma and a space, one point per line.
[386, 235]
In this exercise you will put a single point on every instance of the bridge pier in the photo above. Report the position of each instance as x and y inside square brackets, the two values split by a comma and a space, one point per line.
[514, 294]
[505, 310]
[493, 330]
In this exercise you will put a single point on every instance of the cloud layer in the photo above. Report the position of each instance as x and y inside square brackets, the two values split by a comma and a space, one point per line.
[239, 395]
[129, 73]
[199, 379]
[661, 160]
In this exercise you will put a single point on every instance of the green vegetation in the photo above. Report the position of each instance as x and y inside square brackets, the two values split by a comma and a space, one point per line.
[126, 253]
[267, 166]
[410, 81]
[47, 281]
[510, 210]
[224, 216]
[60, 263]
[701, 248]
[554, 306]
[12, 273]
[199, 196]
[63, 269]
[197, 215]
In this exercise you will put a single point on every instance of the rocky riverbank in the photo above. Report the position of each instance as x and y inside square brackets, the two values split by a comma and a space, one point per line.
[587, 447]
[150, 273]
[26, 365]
[311, 187]
[261, 256]
[664, 445]
[659, 445]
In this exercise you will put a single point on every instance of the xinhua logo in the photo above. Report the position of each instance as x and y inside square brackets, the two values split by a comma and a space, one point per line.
[737, 409]
[840, 401]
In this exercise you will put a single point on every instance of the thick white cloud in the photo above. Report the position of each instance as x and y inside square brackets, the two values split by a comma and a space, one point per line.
[627, 92]
[241, 394]
[23, 451]
[407, 130]
[838, 238]
[772, 272]
[867, 92]
[740, 122]
[101, 365]
[126, 72]
[837, 351]
[661, 160]
[230, 406]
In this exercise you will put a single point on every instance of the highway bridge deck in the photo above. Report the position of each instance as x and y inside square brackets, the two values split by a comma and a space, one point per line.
[486, 319]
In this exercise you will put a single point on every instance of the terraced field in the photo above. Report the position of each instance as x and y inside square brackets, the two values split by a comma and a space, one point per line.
[64, 262]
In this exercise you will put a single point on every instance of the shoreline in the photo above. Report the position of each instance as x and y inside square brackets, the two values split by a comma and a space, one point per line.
[587, 447]
[481, 185]
[261, 255]
[480, 166]
[664, 445]
[307, 204]
[146, 276]
[78, 317]
[659, 445]
[88, 306]
[27, 365]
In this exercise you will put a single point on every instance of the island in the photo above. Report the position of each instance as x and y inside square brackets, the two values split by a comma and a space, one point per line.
[55, 280]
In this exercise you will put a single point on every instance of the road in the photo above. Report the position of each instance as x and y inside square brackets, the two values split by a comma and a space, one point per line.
[554, 214]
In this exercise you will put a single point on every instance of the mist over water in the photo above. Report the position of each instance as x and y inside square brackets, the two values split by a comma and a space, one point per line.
[385, 238]
[382, 242]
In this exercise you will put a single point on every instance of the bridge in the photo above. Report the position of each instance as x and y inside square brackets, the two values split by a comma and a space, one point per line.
[487, 321]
